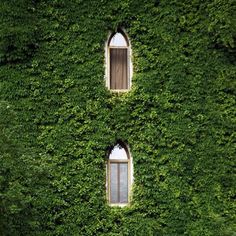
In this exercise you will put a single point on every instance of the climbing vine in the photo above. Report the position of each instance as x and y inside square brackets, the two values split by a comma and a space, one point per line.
[58, 118]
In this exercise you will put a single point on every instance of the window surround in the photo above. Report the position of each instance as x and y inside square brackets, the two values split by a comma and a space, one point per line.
[129, 161]
[129, 60]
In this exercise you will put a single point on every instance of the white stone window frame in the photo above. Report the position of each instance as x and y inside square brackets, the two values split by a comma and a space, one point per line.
[129, 61]
[130, 175]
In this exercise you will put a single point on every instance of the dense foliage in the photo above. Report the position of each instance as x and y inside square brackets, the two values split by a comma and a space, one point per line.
[57, 119]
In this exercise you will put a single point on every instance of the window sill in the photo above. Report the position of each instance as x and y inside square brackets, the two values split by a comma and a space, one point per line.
[119, 90]
[118, 204]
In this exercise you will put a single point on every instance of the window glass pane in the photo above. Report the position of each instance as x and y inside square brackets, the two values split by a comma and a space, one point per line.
[118, 40]
[114, 183]
[118, 68]
[118, 152]
[123, 182]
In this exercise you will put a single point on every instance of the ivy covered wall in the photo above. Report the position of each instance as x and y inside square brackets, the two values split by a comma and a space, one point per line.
[57, 118]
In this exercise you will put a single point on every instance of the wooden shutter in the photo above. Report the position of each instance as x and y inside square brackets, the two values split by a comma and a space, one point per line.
[118, 68]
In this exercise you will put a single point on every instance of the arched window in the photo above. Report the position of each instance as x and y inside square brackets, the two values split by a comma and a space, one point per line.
[119, 66]
[119, 175]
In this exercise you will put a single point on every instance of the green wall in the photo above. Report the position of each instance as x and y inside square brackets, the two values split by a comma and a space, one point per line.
[57, 118]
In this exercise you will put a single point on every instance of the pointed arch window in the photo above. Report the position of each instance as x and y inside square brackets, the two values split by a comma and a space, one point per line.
[119, 175]
[119, 62]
